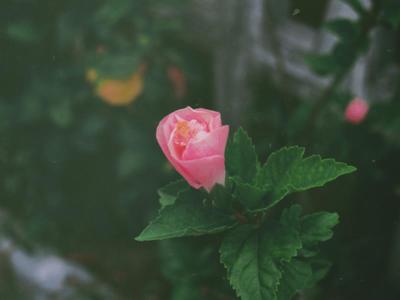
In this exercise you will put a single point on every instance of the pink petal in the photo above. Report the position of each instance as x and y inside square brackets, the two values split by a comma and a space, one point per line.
[163, 142]
[206, 171]
[213, 144]
[356, 111]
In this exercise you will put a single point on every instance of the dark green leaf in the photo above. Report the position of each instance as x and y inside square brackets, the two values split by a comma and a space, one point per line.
[188, 216]
[320, 268]
[296, 275]
[170, 192]
[251, 270]
[250, 196]
[220, 196]
[275, 172]
[317, 227]
[241, 157]
[286, 171]
[253, 256]
[264, 263]
[314, 171]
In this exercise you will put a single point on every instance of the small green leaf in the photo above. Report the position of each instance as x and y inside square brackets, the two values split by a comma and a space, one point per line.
[286, 171]
[171, 191]
[317, 227]
[188, 216]
[241, 157]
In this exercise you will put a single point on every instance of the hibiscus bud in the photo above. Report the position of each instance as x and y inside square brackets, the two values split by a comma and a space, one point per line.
[356, 111]
[194, 142]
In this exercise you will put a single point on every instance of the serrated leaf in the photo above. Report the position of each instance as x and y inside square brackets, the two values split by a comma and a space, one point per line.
[251, 271]
[265, 263]
[317, 227]
[170, 192]
[314, 171]
[286, 171]
[188, 216]
[241, 158]
[253, 256]
[275, 170]
[296, 275]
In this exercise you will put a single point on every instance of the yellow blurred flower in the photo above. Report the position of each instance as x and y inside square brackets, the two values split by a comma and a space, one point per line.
[121, 92]
[91, 75]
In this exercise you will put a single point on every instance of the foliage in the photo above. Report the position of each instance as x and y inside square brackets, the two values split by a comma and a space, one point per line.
[265, 258]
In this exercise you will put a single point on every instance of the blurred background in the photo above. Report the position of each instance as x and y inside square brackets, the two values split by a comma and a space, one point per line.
[83, 85]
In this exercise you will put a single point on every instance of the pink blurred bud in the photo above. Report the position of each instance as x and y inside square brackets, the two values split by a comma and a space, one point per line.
[356, 111]
[194, 142]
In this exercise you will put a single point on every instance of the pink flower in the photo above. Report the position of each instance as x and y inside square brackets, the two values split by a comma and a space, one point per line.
[194, 142]
[356, 111]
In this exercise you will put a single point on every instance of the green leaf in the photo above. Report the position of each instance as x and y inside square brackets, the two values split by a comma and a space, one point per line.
[250, 196]
[253, 256]
[188, 216]
[286, 171]
[317, 227]
[171, 191]
[251, 271]
[296, 275]
[275, 170]
[221, 196]
[264, 263]
[241, 157]
[314, 171]
[320, 268]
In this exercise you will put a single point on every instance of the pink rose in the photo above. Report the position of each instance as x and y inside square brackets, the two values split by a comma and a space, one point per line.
[194, 142]
[356, 111]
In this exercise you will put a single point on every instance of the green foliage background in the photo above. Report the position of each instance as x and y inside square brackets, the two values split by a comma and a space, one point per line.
[80, 176]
